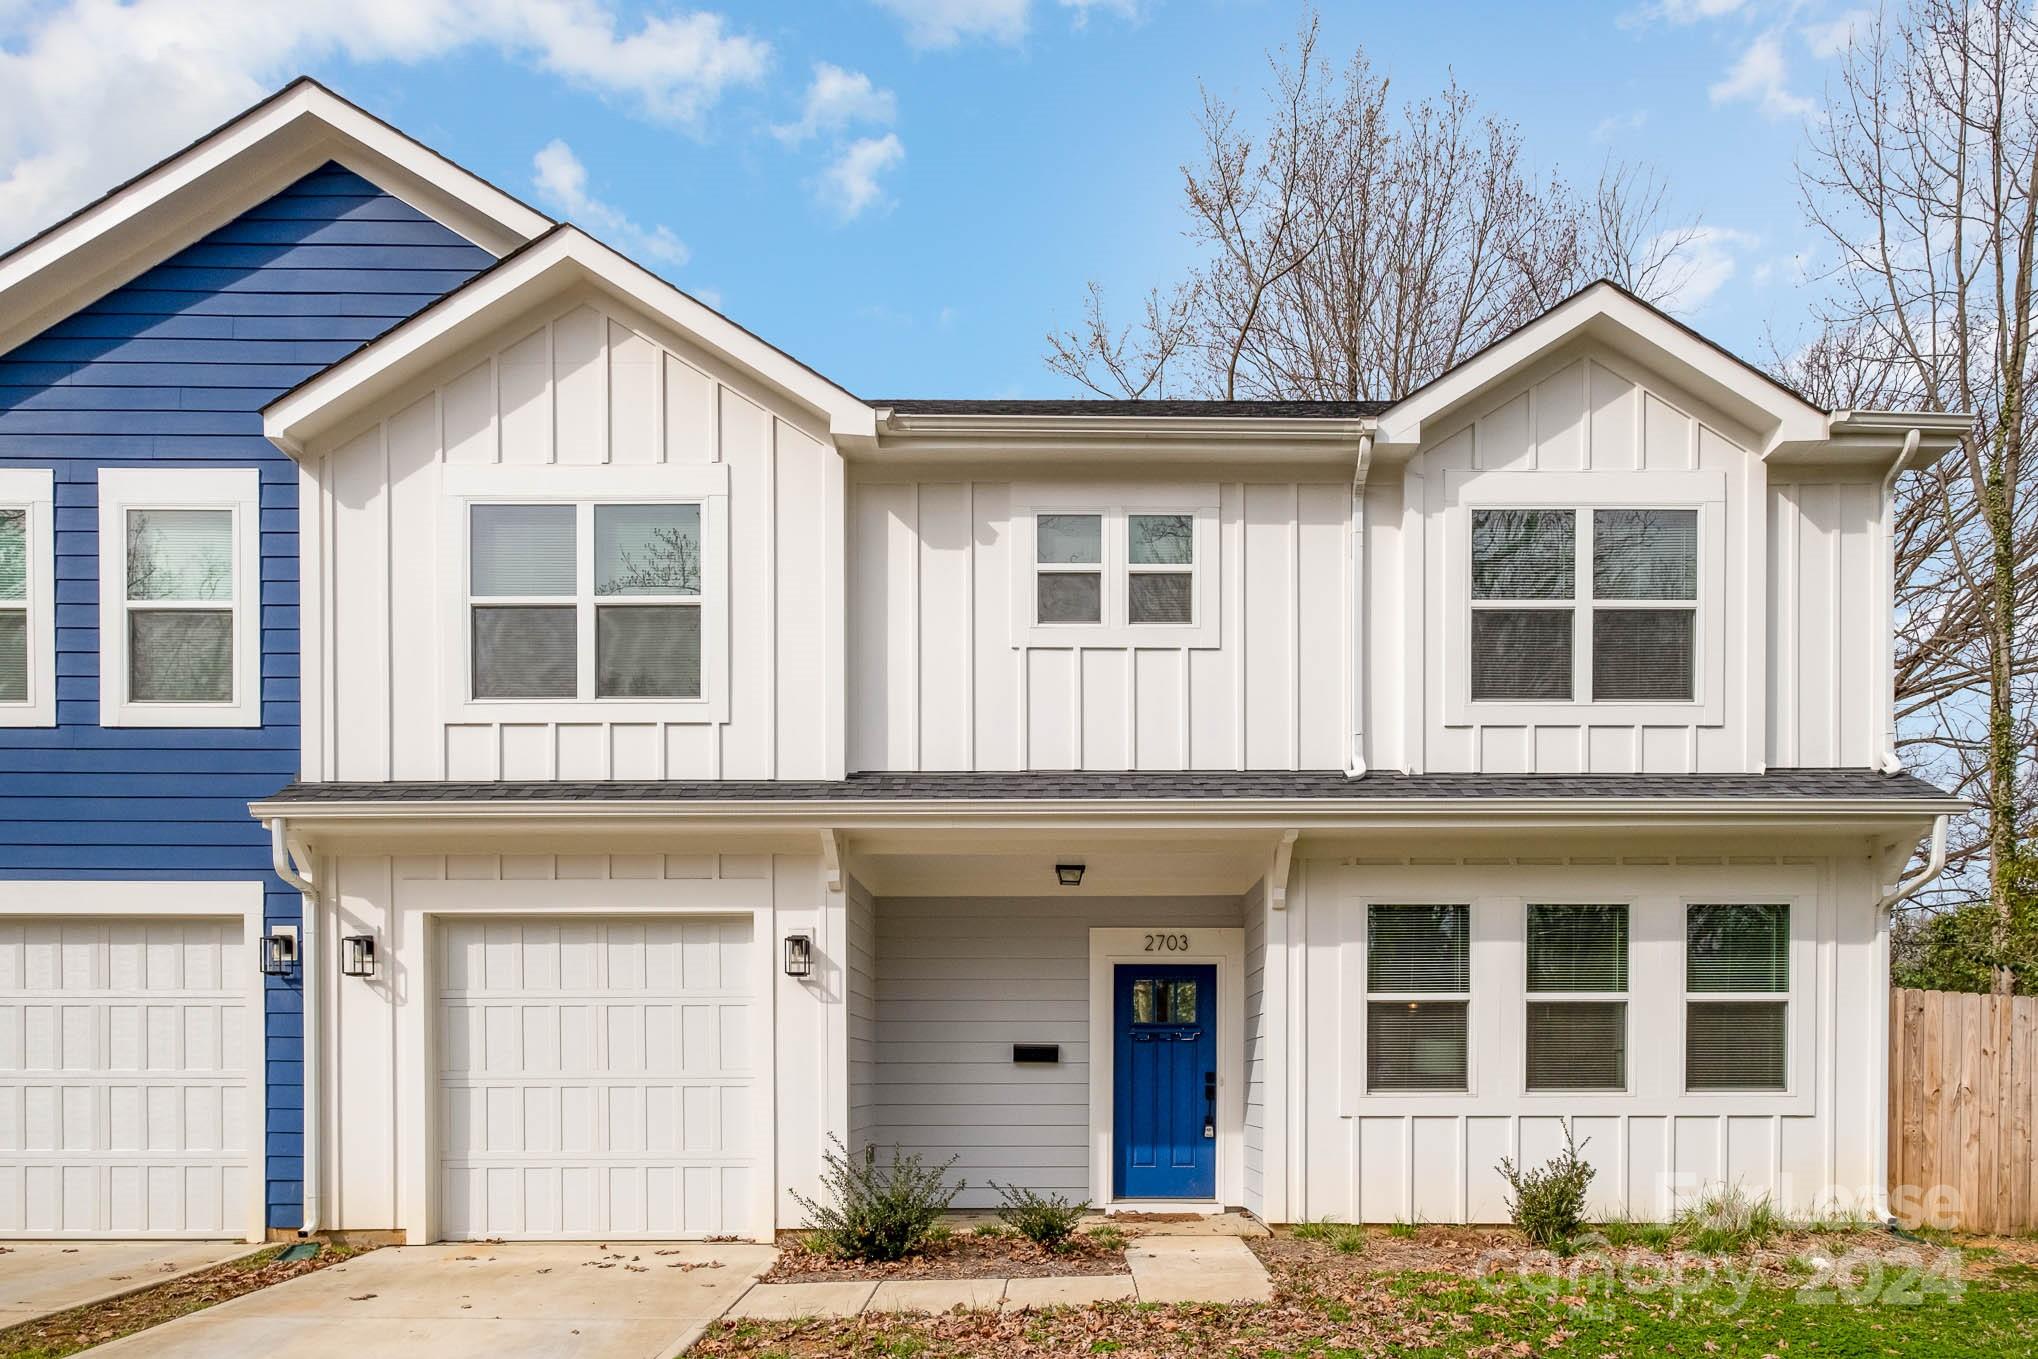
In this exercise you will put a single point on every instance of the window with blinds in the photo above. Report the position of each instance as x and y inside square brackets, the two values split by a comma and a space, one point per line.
[571, 601]
[14, 640]
[1577, 1022]
[1630, 623]
[1737, 1006]
[1069, 561]
[1160, 581]
[1418, 995]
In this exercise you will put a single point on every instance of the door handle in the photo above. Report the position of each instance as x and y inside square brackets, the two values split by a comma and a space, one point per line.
[1209, 1104]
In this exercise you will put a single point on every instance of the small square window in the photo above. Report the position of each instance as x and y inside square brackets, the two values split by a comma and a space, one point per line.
[525, 651]
[648, 651]
[1521, 654]
[1071, 597]
[1070, 540]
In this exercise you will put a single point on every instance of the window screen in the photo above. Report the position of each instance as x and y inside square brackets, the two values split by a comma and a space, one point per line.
[1418, 975]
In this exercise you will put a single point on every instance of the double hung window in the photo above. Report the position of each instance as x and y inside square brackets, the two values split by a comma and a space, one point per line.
[1577, 997]
[1418, 994]
[27, 598]
[1737, 997]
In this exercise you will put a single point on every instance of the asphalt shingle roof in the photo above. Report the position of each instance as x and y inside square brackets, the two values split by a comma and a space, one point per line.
[1045, 785]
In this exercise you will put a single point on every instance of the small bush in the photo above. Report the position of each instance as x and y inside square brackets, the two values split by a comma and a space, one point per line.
[1727, 1220]
[878, 1213]
[1047, 1220]
[1548, 1203]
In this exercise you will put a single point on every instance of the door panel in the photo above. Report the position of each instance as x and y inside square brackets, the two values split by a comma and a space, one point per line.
[1165, 1073]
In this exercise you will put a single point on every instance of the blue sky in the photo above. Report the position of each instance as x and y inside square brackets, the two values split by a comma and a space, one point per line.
[907, 194]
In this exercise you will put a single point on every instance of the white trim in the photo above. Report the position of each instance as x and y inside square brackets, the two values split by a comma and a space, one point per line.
[1114, 505]
[1110, 947]
[32, 490]
[235, 489]
[226, 898]
[564, 258]
[200, 188]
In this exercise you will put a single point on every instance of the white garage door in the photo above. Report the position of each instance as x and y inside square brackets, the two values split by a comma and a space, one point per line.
[596, 1078]
[125, 1053]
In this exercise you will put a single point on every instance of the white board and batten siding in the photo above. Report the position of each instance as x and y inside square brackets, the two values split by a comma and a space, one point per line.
[587, 396]
[128, 1052]
[1380, 1156]
[570, 1045]
[1787, 672]
[959, 981]
[942, 677]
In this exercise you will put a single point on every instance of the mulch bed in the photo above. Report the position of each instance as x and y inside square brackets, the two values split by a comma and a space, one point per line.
[100, 1322]
[963, 1255]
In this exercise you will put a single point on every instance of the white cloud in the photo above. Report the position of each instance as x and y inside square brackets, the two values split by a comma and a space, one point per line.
[851, 184]
[1834, 36]
[1614, 125]
[1680, 12]
[92, 91]
[836, 99]
[1701, 266]
[944, 23]
[561, 180]
[1762, 77]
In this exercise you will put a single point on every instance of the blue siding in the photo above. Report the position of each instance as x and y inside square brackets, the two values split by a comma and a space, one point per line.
[173, 369]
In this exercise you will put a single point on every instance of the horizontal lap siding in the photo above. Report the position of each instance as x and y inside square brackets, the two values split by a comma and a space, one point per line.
[954, 995]
[173, 369]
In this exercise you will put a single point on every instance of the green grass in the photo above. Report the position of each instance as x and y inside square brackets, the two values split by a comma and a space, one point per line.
[1621, 1234]
[1402, 1230]
[1348, 1238]
[1727, 1221]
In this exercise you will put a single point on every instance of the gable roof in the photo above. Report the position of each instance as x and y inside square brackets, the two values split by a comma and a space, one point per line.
[562, 258]
[1156, 409]
[177, 201]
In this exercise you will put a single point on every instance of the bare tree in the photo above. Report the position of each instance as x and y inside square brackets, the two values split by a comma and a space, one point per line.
[1923, 181]
[1352, 248]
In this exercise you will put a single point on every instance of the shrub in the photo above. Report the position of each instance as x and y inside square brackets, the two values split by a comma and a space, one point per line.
[1728, 1219]
[878, 1212]
[1047, 1220]
[1548, 1203]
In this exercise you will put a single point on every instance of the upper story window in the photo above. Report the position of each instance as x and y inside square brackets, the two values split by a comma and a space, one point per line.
[1128, 566]
[1159, 566]
[27, 615]
[585, 600]
[1737, 997]
[1572, 602]
[179, 597]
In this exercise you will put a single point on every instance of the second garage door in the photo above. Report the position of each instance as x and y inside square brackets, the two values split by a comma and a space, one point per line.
[597, 1078]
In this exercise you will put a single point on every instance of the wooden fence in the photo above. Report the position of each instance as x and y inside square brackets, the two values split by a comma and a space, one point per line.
[1963, 1110]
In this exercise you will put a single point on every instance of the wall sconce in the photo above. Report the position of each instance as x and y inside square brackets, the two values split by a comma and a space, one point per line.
[279, 952]
[1069, 875]
[799, 956]
[357, 955]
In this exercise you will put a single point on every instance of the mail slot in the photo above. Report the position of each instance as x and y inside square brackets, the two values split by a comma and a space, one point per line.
[1036, 1052]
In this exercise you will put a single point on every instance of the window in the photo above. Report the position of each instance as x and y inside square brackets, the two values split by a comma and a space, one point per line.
[180, 630]
[1418, 992]
[1636, 610]
[1737, 984]
[1577, 987]
[578, 600]
[1160, 568]
[27, 616]
[1115, 566]
[1163, 1002]
[1069, 555]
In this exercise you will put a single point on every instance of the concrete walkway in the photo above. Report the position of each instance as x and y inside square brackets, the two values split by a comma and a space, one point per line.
[1164, 1269]
[530, 1300]
[41, 1277]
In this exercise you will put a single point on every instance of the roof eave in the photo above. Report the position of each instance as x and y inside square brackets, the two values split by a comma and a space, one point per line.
[906, 436]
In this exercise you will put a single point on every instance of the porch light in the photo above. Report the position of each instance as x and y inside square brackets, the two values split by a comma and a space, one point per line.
[799, 956]
[1069, 875]
[279, 953]
[357, 955]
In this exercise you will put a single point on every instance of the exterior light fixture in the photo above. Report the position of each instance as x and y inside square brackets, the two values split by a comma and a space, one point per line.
[1069, 875]
[357, 955]
[279, 953]
[799, 956]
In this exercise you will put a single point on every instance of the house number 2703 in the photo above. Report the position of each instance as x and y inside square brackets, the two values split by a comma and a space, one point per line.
[1167, 943]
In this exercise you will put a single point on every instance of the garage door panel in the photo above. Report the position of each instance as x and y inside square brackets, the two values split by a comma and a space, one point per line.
[586, 1087]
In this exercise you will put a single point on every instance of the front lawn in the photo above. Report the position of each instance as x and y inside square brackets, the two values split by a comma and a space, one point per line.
[1376, 1294]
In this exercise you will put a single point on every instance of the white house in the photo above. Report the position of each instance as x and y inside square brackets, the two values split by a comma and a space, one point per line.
[1295, 806]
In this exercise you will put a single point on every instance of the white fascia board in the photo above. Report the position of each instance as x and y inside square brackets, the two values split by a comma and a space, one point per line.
[909, 438]
[209, 183]
[562, 258]
[1630, 327]
[1871, 438]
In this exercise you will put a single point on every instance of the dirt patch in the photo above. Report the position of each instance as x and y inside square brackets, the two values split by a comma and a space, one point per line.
[101, 1322]
[964, 1255]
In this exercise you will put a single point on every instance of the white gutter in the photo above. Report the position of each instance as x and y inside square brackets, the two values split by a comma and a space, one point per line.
[1890, 762]
[1355, 760]
[284, 858]
[1935, 864]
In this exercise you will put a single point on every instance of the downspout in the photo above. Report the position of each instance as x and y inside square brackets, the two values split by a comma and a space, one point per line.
[1355, 761]
[284, 858]
[1935, 864]
[1889, 762]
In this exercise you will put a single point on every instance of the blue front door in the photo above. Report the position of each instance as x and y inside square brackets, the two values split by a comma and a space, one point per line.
[1165, 1070]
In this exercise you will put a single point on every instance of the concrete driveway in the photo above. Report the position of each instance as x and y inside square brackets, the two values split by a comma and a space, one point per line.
[40, 1277]
[527, 1300]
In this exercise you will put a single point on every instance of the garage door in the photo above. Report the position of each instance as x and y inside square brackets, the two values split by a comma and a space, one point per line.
[125, 1052]
[596, 1078]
